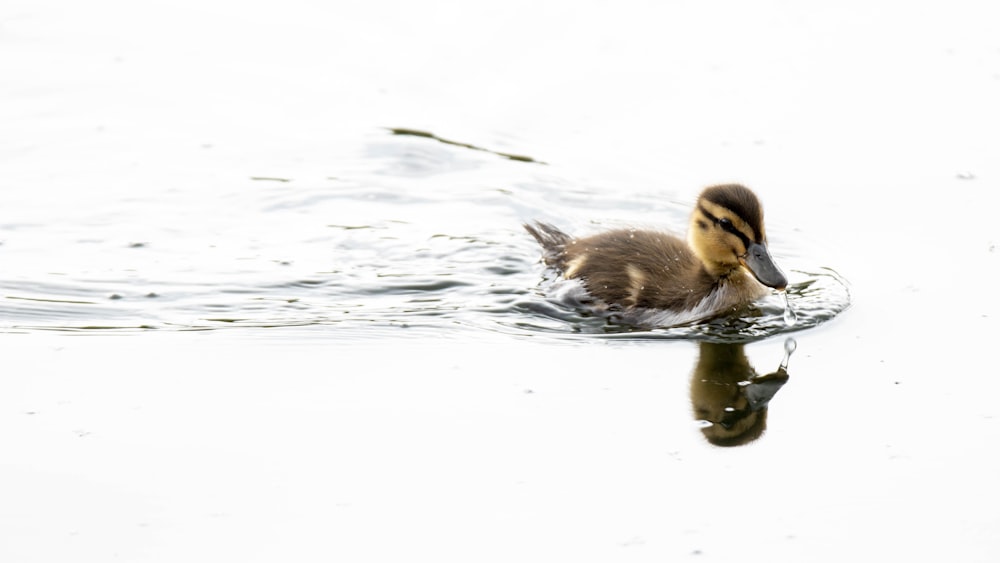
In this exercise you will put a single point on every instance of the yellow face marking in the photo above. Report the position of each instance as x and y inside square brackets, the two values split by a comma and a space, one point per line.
[717, 249]
[721, 212]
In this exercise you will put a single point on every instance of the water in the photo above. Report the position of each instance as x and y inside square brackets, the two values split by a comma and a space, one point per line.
[790, 346]
[416, 235]
[265, 294]
[790, 317]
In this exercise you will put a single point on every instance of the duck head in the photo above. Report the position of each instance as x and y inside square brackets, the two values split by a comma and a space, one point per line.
[727, 233]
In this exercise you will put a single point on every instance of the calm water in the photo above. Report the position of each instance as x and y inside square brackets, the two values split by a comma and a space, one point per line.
[265, 294]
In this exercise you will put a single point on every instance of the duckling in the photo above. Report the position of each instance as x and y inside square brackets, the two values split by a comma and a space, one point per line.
[651, 278]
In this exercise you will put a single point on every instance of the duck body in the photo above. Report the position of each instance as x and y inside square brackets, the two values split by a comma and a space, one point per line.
[653, 278]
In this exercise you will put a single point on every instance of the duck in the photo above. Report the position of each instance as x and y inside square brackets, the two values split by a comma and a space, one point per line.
[653, 278]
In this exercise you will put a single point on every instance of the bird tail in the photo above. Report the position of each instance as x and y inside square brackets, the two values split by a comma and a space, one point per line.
[553, 242]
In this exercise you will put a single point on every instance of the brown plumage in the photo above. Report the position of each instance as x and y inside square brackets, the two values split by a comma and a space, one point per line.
[656, 278]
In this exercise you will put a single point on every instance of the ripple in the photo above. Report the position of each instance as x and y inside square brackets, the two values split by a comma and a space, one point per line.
[420, 235]
[429, 135]
[817, 297]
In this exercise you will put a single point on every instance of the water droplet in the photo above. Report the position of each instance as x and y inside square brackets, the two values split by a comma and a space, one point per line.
[790, 317]
[790, 346]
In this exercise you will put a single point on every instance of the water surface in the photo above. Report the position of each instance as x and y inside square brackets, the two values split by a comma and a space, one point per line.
[265, 294]
[417, 233]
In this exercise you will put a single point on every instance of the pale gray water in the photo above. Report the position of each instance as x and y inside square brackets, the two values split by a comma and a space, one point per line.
[369, 251]
[242, 319]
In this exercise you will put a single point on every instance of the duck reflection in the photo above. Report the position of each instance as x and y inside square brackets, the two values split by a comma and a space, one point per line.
[728, 395]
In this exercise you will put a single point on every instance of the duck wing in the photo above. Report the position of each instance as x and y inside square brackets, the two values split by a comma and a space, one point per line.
[634, 268]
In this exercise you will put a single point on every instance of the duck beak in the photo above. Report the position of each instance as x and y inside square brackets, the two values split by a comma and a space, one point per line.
[763, 388]
[761, 265]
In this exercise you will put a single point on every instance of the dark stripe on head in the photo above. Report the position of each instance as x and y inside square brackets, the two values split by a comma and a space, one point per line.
[726, 225]
[741, 201]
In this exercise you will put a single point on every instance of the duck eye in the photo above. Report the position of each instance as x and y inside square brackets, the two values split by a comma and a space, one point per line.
[725, 223]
